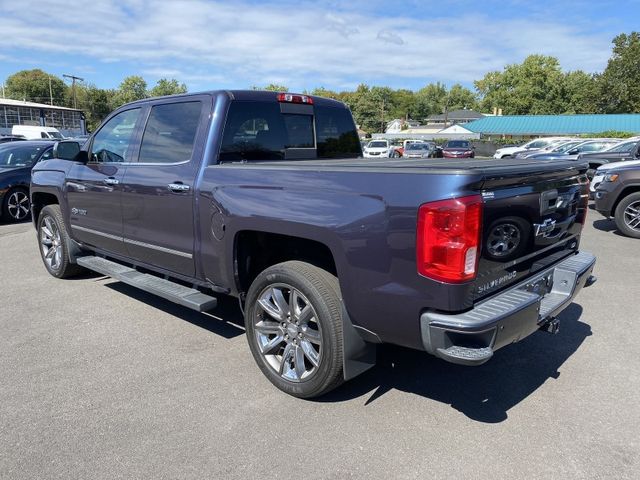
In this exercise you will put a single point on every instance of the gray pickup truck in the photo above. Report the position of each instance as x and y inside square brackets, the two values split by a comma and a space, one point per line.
[266, 197]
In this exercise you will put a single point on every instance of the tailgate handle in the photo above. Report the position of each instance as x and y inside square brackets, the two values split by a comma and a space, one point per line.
[548, 201]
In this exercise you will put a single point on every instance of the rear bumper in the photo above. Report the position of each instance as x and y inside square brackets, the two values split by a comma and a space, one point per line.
[470, 338]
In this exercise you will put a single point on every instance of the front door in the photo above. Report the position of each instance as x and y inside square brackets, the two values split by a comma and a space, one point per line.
[158, 189]
[94, 189]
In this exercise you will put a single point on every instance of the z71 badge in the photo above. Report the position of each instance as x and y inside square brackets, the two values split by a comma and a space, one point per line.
[78, 211]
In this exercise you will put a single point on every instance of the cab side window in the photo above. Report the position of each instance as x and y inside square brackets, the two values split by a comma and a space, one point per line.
[111, 143]
[170, 133]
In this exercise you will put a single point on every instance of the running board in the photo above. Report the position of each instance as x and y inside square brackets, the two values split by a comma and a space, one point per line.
[174, 292]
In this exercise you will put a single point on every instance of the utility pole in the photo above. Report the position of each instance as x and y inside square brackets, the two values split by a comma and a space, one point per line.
[3, 90]
[382, 129]
[50, 92]
[73, 86]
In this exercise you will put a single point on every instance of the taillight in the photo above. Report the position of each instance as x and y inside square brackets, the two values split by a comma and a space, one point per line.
[448, 239]
[295, 98]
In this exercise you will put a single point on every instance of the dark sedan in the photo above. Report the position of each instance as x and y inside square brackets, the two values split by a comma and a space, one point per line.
[16, 161]
[622, 152]
[458, 149]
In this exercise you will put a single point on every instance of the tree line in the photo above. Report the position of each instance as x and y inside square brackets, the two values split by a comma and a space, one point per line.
[536, 86]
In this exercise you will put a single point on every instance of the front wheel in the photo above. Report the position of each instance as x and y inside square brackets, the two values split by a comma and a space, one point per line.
[627, 215]
[53, 241]
[293, 319]
[16, 206]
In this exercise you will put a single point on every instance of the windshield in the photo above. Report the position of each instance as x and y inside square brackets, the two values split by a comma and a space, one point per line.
[457, 144]
[625, 147]
[55, 135]
[378, 145]
[418, 146]
[565, 147]
[19, 155]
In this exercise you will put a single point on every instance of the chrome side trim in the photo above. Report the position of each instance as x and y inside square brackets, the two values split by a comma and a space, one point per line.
[133, 242]
[158, 248]
[96, 232]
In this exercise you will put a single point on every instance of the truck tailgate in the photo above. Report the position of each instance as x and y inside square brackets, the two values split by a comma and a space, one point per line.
[532, 218]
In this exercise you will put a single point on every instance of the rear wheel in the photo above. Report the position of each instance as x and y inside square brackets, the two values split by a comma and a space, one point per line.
[16, 206]
[627, 215]
[53, 240]
[293, 319]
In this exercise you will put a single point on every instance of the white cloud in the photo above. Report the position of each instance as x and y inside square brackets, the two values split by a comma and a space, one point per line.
[237, 44]
[389, 37]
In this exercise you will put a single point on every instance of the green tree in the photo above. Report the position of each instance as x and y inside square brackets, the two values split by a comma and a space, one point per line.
[459, 97]
[618, 88]
[533, 87]
[430, 100]
[131, 89]
[323, 92]
[579, 92]
[33, 86]
[402, 104]
[95, 103]
[167, 87]
[272, 87]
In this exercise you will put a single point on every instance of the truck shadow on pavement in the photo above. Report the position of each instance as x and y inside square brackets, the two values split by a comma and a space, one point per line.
[485, 393]
[225, 320]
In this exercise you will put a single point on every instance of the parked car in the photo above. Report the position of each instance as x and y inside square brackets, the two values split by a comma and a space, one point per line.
[602, 171]
[560, 147]
[621, 152]
[508, 152]
[618, 196]
[16, 161]
[265, 196]
[11, 138]
[420, 150]
[458, 149]
[584, 147]
[36, 132]
[378, 148]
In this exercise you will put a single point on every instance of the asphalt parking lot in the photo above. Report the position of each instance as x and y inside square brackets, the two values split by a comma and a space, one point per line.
[99, 380]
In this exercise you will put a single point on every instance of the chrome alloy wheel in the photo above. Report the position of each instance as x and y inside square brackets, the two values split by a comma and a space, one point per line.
[18, 205]
[51, 243]
[632, 215]
[503, 239]
[288, 332]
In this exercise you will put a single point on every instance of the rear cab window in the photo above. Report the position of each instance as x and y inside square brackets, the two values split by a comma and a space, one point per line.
[267, 130]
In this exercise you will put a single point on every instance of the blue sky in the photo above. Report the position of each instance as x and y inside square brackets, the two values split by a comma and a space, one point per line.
[304, 44]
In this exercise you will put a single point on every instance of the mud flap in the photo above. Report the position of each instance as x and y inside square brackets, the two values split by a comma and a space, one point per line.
[359, 356]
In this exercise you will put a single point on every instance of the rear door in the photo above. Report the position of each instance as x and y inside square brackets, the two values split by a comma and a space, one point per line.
[94, 189]
[158, 189]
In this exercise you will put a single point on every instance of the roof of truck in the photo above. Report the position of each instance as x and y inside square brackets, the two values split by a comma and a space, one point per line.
[253, 95]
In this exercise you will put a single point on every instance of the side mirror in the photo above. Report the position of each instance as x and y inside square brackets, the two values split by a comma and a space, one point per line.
[68, 150]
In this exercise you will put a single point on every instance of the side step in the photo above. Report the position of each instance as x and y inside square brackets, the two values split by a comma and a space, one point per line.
[174, 292]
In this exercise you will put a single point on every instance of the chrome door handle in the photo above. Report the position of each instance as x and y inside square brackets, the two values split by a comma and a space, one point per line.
[111, 181]
[178, 187]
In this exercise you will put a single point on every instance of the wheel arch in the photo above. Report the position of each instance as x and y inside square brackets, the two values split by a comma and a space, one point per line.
[255, 250]
[628, 190]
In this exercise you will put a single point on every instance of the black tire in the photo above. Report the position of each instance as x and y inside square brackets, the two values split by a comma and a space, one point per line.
[321, 290]
[14, 203]
[51, 225]
[623, 215]
[516, 232]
